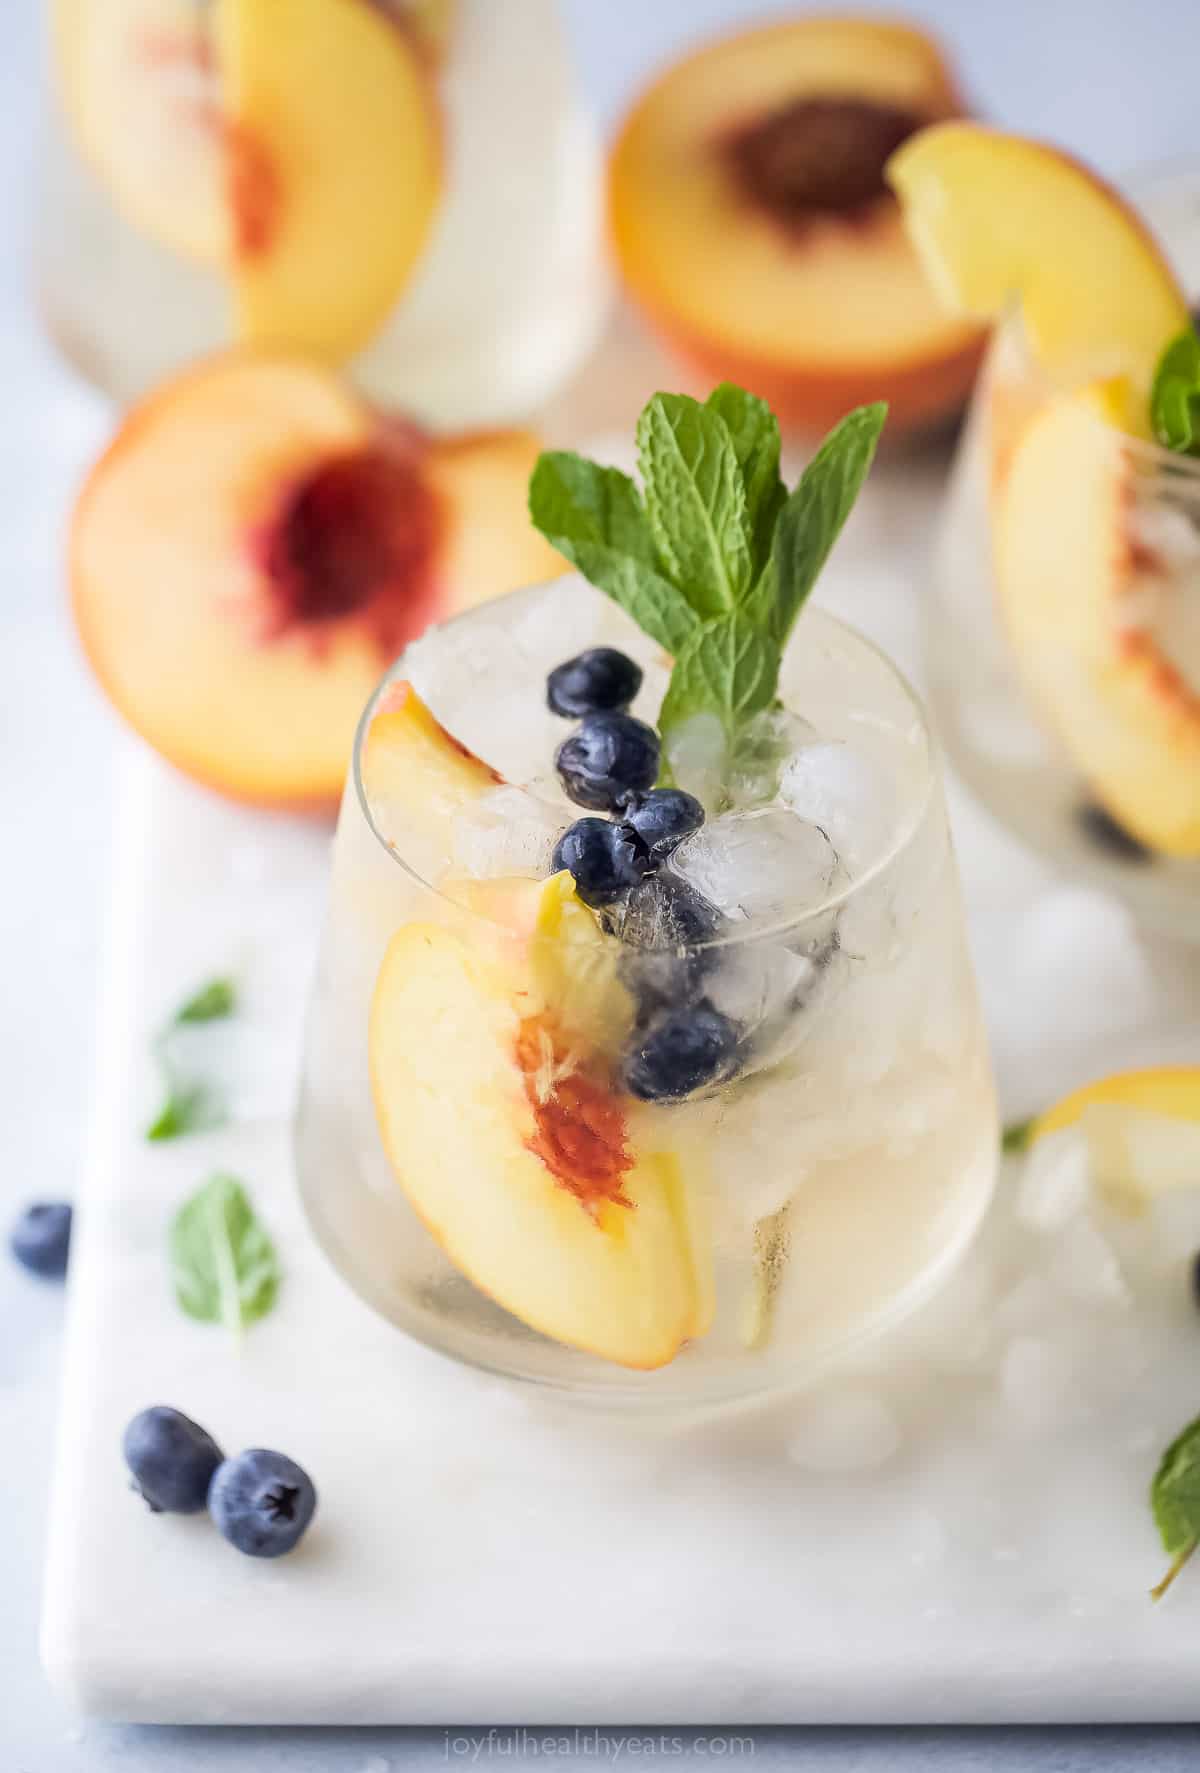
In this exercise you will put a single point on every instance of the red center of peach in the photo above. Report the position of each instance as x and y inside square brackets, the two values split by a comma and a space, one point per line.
[818, 156]
[355, 539]
[579, 1129]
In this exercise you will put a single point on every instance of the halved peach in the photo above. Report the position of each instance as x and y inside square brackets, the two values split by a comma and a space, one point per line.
[138, 83]
[753, 226]
[1080, 603]
[335, 168]
[257, 543]
[997, 219]
[520, 1160]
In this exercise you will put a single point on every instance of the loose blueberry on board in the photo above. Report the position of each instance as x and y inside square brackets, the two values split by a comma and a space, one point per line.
[680, 1051]
[595, 682]
[262, 1502]
[41, 1238]
[609, 760]
[1107, 834]
[605, 860]
[171, 1458]
[664, 817]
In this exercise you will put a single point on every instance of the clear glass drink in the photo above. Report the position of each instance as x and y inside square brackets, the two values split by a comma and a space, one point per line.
[1064, 636]
[470, 1016]
[170, 226]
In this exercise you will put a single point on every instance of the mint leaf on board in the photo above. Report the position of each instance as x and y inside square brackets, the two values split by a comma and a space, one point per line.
[696, 501]
[223, 1264]
[189, 1104]
[1175, 396]
[754, 432]
[216, 999]
[813, 518]
[594, 516]
[1017, 1136]
[188, 1108]
[1175, 1500]
[729, 668]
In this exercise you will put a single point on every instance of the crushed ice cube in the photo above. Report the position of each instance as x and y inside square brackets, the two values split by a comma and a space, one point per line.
[1055, 1181]
[696, 754]
[507, 832]
[557, 621]
[844, 1430]
[1086, 1268]
[848, 795]
[761, 753]
[1038, 1381]
[768, 865]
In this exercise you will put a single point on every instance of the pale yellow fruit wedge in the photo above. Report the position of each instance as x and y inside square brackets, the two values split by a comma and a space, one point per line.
[139, 89]
[334, 167]
[998, 219]
[1142, 1130]
[527, 1176]
[1065, 569]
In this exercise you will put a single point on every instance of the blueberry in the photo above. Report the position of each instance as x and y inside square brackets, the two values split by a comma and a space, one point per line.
[666, 912]
[262, 1502]
[41, 1238]
[595, 682]
[172, 1460]
[611, 758]
[606, 860]
[1107, 834]
[679, 1051]
[664, 817]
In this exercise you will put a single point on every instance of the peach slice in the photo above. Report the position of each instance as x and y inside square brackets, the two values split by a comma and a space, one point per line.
[414, 774]
[1076, 594]
[753, 225]
[997, 218]
[335, 168]
[138, 82]
[254, 547]
[521, 1162]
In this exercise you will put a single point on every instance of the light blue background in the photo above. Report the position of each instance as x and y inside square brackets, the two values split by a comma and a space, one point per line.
[1114, 79]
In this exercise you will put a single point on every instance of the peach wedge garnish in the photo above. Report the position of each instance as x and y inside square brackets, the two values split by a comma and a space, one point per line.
[999, 219]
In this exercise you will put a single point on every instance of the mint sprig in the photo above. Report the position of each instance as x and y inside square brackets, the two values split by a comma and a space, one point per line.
[1175, 396]
[1175, 1500]
[714, 559]
[189, 1104]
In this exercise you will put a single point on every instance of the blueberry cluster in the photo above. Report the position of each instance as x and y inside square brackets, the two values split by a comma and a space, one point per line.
[260, 1501]
[609, 765]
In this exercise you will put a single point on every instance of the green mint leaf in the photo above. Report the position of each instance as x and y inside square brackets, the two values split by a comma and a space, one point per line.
[189, 1108]
[813, 517]
[730, 668]
[1175, 1500]
[1017, 1135]
[696, 501]
[216, 999]
[754, 432]
[594, 516]
[223, 1264]
[1175, 396]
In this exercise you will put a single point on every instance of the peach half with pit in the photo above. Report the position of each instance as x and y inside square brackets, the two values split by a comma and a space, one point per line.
[257, 543]
[753, 226]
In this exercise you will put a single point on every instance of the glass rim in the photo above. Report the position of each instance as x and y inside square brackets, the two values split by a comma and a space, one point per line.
[749, 931]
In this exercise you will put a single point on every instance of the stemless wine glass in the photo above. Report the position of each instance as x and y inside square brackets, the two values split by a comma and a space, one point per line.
[170, 226]
[470, 1151]
[1060, 636]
